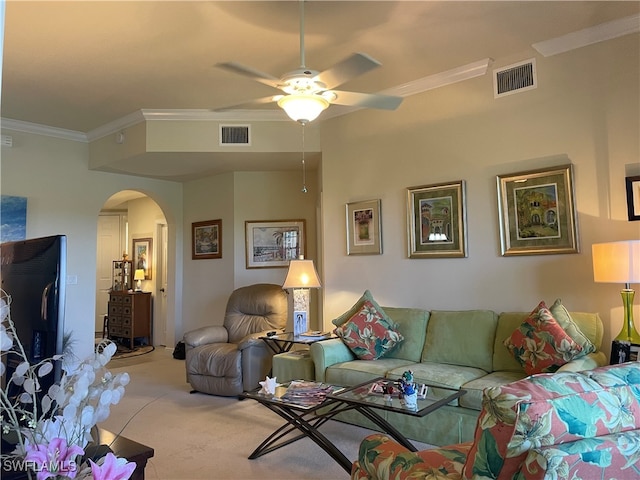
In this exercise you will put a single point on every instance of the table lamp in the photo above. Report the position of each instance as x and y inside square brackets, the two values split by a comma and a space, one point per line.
[619, 262]
[139, 276]
[301, 277]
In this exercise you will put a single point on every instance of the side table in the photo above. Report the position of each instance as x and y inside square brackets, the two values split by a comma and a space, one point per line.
[283, 342]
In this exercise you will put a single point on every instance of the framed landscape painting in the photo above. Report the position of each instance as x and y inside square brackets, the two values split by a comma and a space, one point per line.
[273, 243]
[436, 220]
[206, 238]
[537, 212]
[364, 232]
[143, 256]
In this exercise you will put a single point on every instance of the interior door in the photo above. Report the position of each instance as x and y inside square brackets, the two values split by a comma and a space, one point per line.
[108, 250]
[160, 303]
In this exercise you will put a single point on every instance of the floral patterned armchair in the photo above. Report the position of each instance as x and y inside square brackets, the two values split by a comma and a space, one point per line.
[547, 426]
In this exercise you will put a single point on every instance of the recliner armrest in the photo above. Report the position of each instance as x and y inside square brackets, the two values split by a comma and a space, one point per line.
[206, 335]
[253, 339]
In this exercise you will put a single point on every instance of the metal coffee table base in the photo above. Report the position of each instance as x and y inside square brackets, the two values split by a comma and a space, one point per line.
[308, 422]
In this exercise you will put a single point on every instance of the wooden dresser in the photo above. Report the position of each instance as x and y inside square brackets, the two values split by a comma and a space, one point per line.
[129, 316]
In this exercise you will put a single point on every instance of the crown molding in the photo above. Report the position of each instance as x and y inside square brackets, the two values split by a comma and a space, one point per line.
[589, 36]
[38, 129]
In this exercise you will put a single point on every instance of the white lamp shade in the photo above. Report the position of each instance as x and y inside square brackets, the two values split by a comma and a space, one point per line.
[303, 108]
[139, 274]
[616, 262]
[301, 274]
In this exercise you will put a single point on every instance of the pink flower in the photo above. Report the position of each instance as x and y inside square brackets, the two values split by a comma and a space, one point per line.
[54, 458]
[112, 468]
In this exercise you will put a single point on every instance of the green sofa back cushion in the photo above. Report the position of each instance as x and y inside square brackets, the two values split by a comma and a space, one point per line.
[461, 338]
[412, 324]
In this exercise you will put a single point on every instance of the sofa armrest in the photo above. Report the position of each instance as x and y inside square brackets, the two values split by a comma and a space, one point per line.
[587, 362]
[205, 335]
[382, 458]
[329, 352]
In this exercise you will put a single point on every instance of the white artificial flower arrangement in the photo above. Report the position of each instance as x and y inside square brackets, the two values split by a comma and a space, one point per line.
[52, 429]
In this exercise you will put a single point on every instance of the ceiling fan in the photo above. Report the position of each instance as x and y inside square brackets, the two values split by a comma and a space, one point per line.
[308, 92]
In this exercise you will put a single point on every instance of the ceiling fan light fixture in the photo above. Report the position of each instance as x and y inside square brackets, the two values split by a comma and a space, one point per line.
[303, 108]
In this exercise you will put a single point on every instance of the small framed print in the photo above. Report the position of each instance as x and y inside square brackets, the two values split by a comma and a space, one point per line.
[274, 243]
[437, 221]
[633, 198]
[537, 212]
[300, 325]
[364, 230]
[206, 239]
[143, 256]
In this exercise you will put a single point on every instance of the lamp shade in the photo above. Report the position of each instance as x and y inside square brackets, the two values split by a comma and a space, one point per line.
[139, 274]
[616, 262]
[301, 274]
[303, 108]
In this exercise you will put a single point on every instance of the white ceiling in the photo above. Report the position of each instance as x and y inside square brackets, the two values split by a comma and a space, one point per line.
[82, 65]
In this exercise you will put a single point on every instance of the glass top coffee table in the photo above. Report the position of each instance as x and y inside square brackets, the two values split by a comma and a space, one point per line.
[306, 406]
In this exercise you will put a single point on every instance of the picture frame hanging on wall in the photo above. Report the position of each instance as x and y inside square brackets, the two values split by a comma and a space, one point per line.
[273, 243]
[206, 239]
[364, 228]
[437, 221]
[537, 212]
[633, 198]
[143, 256]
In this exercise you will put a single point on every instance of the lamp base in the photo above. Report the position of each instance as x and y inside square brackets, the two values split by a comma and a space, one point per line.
[629, 332]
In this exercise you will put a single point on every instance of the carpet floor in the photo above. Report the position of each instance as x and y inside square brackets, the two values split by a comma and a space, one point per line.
[198, 436]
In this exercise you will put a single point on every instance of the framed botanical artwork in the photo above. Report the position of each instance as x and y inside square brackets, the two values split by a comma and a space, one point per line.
[143, 256]
[273, 243]
[537, 212]
[633, 197]
[364, 230]
[436, 220]
[206, 239]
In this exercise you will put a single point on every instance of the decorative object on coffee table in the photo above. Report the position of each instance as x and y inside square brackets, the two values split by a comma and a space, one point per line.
[619, 262]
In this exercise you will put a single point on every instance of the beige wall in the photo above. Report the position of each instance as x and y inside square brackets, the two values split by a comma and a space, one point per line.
[584, 112]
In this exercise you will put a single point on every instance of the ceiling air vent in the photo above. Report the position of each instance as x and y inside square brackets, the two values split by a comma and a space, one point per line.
[515, 78]
[235, 135]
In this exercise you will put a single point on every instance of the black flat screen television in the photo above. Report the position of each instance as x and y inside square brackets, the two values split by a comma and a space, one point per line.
[33, 273]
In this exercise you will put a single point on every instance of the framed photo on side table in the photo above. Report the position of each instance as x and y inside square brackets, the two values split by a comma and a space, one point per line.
[206, 239]
[143, 256]
[273, 243]
[537, 212]
[364, 230]
[437, 221]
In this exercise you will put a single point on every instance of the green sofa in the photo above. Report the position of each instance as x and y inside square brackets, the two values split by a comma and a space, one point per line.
[455, 349]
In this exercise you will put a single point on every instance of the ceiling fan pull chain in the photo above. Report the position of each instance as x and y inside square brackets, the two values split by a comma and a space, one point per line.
[304, 172]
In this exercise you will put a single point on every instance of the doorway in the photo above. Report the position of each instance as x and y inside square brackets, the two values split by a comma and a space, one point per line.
[126, 216]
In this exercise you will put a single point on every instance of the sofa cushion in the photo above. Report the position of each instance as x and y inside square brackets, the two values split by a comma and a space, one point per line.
[359, 371]
[563, 317]
[461, 338]
[412, 325]
[473, 398]
[551, 409]
[344, 318]
[540, 344]
[369, 333]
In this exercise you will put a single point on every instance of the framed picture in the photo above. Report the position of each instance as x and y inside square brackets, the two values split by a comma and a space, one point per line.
[537, 212]
[364, 231]
[271, 244]
[633, 197]
[436, 220]
[206, 239]
[143, 256]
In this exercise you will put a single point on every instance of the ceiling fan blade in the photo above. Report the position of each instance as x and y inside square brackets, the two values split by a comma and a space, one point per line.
[350, 67]
[252, 73]
[250, 103]
[366, 100]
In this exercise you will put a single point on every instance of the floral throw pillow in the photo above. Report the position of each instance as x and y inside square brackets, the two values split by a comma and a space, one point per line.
[368, 333]
[540, 344]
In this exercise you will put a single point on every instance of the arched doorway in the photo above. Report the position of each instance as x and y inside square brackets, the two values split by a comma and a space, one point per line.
[129, 216]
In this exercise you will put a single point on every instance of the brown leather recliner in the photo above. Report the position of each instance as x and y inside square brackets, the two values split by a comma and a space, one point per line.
[229, 359]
